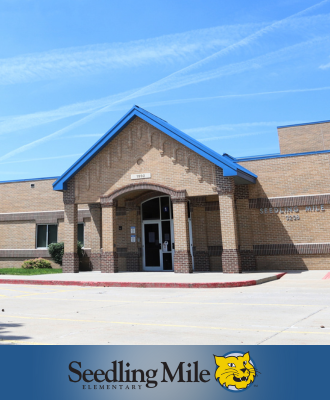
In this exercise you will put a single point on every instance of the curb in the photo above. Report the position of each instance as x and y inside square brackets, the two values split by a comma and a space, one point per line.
[326, 276]
[213, 285]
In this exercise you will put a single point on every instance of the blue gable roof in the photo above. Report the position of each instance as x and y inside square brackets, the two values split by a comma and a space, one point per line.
[229, 166]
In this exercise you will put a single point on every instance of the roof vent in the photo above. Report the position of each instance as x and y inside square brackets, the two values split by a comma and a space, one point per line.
[32, 185]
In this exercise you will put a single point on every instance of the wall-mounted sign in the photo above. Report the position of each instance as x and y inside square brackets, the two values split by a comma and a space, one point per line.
[292, 213]
[141, 176]
[291, 210]
[132, 229]
[133, 239]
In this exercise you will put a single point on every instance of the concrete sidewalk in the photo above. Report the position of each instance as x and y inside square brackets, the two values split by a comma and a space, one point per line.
[147, 279]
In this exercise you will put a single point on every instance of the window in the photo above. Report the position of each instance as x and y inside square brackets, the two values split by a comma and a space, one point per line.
[157, 208]
[46, 234]
[81, 234]
[150, 209]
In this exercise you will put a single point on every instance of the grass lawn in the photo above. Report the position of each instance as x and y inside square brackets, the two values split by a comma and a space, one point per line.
[22, 271]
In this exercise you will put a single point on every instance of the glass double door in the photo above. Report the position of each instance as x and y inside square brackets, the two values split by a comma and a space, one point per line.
[157, 245]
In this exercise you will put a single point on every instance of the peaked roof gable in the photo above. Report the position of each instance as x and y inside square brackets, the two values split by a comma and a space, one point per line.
[229, 166]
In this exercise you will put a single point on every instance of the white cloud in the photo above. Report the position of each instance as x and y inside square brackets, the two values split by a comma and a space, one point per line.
[181, 46]
[233, 47]
[245, 129]
[155, 88]
[233, 127]
[325, 66]
[87, 59]
[228, 96]
[19, 122]
[175, 81]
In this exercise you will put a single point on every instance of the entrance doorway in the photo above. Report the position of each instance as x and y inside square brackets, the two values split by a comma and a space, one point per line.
[157, 234]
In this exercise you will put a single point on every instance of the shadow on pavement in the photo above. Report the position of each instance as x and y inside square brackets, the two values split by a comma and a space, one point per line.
[5, 333]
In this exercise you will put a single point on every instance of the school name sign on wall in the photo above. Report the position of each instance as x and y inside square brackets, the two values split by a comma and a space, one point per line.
[291, 210]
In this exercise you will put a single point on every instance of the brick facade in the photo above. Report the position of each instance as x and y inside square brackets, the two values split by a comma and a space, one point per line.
[304, 138]
[109, 256]
[235, 227]
[182, 255]
[95, 235]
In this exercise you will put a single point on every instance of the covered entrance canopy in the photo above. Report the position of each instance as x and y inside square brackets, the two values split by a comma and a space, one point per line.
[140, 168]
[150, 216]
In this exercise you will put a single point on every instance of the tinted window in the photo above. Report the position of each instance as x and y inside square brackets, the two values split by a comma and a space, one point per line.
[150, 209]
[42, 236]
[52, 234]
[81, 233]
[165, 207]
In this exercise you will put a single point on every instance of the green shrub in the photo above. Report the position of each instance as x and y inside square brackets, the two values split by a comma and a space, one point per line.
[56, 250]
[80, 250]
[36, 264]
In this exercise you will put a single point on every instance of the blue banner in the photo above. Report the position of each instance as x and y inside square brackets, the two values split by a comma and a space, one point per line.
[164, 372]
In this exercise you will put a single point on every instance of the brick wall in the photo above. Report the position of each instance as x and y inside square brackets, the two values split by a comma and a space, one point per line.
[182, 255]
[294, 262]
[18, 235]
[20, 197]
[304, 138]
[141, 148]
[290, 176]
[285, 187]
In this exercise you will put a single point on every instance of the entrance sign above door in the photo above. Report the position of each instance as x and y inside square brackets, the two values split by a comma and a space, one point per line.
[141, 176]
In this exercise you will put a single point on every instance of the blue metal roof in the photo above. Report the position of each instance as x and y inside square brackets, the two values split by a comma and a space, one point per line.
[32, 179]
[230, 168]
[306, 123]
[269, 156]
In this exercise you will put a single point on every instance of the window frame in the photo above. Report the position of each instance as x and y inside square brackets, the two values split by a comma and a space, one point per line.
[83, 224]
[36, 245]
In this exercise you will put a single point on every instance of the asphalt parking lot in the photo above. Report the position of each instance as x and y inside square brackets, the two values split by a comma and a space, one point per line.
[292, 310]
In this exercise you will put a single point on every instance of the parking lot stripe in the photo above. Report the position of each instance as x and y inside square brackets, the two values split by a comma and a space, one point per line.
[166, 325]
[172, 302]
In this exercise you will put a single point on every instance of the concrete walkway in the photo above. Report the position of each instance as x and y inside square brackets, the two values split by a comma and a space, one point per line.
[147, 279]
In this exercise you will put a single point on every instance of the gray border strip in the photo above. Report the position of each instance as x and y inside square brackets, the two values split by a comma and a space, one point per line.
[41, 216]
[33, 253]
[289, 201]
[291, 249]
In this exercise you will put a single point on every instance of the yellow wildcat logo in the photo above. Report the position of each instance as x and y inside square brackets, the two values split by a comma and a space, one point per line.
[235, 371]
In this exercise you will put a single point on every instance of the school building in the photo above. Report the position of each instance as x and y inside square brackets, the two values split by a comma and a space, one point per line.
[148, 197]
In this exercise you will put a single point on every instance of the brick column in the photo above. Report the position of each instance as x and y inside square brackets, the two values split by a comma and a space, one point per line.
[132, 256]
[182, 256]
[70, 261]
[231, 260]
[109, 257]
[95, 236]
[199, 225]
[248, 260]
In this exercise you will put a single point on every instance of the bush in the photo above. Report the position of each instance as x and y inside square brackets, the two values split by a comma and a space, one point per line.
[36, 264]
[56, 250]
[80, 250]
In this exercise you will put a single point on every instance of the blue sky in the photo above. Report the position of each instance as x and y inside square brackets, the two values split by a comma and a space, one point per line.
[225, 72]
